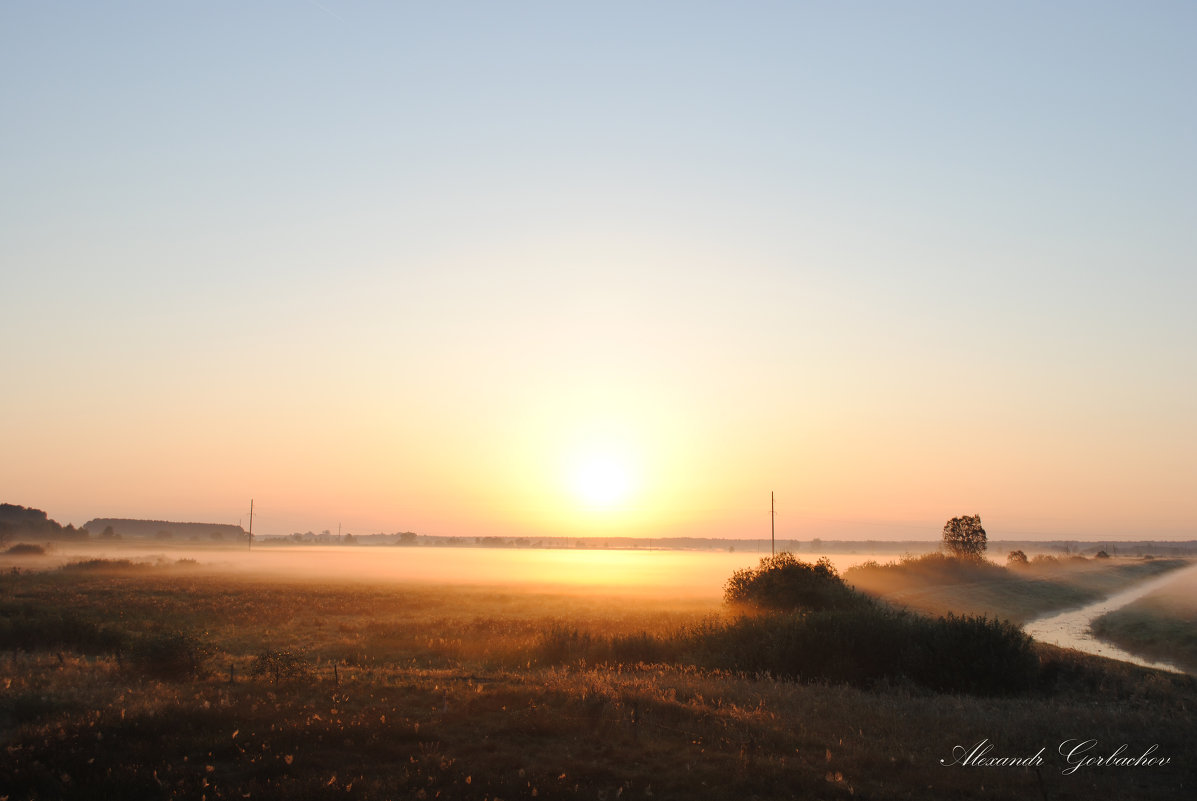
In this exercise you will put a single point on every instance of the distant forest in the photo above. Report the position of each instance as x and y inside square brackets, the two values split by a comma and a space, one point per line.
[19, 521]
[164, 529]
[24, 523]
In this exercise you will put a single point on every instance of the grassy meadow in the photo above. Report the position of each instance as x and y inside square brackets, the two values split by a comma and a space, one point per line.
[1160, 625]
[935, 584]
[174, 681]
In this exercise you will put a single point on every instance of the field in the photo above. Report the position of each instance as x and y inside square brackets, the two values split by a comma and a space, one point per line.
[127, 681]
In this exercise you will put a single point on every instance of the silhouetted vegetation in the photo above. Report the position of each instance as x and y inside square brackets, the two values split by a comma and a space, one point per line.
[821, 629]
[25, 549]
[115, 527]
[784, 582]
[170, 655]
[20, 521]
[1016, 559]
[964, 537]
[107, 565]
[866, 646]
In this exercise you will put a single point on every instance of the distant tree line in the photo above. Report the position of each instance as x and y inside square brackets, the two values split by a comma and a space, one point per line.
[25, 523]
[111, 527]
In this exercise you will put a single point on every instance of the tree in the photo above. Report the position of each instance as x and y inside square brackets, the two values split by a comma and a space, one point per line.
[1016, 559]
[964, 538]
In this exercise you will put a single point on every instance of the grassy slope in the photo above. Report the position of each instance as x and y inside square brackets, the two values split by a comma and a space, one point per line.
[1162, 625]
[937, 585]
[444, 693]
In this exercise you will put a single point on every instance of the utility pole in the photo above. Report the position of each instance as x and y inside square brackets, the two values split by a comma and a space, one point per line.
[772, 526]
[250, 540]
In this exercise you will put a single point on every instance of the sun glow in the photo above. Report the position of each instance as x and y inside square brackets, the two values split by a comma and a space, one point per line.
[602, 481]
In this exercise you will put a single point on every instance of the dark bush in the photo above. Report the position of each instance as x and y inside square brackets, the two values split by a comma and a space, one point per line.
[978, 655]
[25, 549]
[865, 646]
[784, 582]
[171, 655]
[103, 565]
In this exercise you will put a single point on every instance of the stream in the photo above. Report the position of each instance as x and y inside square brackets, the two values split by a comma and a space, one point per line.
[1070, 629]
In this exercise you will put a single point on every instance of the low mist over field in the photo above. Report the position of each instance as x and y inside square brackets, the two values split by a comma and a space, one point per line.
[692, 574]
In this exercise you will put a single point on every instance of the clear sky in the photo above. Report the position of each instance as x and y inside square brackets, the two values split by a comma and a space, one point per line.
[602, 268]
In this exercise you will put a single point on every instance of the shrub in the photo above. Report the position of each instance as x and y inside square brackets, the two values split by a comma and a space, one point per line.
[784, 582]
[1016, 559]
[978, 655]
[25, 549]
[171, 655]
[103, 565]
[863, 647]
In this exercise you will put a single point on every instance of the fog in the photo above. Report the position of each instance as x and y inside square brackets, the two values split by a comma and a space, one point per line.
[682, 574]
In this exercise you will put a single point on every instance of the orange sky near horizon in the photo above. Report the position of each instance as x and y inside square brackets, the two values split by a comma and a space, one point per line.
[602, 270]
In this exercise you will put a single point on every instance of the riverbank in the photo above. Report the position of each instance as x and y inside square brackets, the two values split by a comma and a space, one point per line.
[1161, 625]
[935, 584]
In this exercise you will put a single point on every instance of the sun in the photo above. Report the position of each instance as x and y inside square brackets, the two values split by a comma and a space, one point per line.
[602, 481]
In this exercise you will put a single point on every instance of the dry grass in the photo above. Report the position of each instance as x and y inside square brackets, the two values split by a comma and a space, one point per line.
[426, 693]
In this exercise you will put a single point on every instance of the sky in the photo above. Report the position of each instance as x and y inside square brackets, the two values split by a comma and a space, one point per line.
[525, 269]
